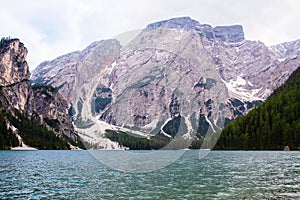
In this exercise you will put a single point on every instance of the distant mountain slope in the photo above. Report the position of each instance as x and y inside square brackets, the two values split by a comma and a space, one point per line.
[36, 114]
[172, 68]
[69, 72]
[272, 125]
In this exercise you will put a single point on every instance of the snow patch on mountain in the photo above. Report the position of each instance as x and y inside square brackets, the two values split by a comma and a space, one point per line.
[236, 91]
[210, 124]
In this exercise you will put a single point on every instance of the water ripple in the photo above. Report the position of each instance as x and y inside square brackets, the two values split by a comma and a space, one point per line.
[220, 175]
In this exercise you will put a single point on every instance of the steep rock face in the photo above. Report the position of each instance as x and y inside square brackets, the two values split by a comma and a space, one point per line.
[175, 23]
[249, 69]
[14, 74]
[288, 55]
[286, 50]
[72, 70]
[102, 97]
[158, 78]
[174, 69]
[14, 67]
[243, 66]
[52, 110]
[274, 125]
[82, 79]
[232, 34]
[42, 103]
[16, 95]
[224, 33]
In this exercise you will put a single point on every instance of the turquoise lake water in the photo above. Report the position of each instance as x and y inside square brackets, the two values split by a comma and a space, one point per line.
[220, 175]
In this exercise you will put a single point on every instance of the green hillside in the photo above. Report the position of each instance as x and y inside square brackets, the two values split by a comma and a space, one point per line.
[7, 138]
[31, 131]
[272, 125]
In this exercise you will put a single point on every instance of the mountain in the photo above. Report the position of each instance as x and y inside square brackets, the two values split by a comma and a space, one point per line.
[70, 71]
[271, 126]
[175, 71]
[77, 75]
[37, 115]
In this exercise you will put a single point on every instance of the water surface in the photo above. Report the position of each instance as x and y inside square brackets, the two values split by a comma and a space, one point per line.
[220, 175]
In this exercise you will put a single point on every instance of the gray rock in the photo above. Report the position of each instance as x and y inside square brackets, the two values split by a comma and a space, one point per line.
[176, 23]
[52, 110]
[43, 103]
[286, 50]
[14, 67]
[231, 34]
[70, 71]
[176, 67]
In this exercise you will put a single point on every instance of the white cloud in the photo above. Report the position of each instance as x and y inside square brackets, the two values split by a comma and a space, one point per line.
[50, 28]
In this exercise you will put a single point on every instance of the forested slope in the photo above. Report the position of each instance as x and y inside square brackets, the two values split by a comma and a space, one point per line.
[270, 126]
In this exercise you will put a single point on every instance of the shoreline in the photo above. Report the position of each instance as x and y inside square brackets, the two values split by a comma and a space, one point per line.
[35, 149]
[23, 148]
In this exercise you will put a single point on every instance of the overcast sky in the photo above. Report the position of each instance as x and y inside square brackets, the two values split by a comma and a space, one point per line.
[50, 28]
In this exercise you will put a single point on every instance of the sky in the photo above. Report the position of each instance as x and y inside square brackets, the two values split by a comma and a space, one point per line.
[50, 28]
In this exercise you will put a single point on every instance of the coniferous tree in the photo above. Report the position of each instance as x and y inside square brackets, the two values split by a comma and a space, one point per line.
[272, 125]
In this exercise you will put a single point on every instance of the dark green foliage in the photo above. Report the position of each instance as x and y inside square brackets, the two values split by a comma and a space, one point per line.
[32, 133]
[54, 123]
[7, 138]
[44, 87]
[46, 90]
[78, 142]
[227, 121]
[138, 143]
[35, 135]
[101, 103]
[196, 144]
[270, 126]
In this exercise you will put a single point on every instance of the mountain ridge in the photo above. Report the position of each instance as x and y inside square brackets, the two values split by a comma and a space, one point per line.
[231, 34]
[22, 105]
[245, 71]
[274, 125]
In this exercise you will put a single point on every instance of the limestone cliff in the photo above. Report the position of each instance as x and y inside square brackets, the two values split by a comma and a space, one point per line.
[174, 69]
[42, 104]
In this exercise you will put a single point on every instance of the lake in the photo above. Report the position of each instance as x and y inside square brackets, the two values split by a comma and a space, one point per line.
[219, 175]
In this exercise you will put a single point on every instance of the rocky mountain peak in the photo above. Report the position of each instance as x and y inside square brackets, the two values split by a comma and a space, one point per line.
[173, 69]
[13, 65]
[72, 70]
[286, 50]
[40, 104]
[229, 34]
[178, 23]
